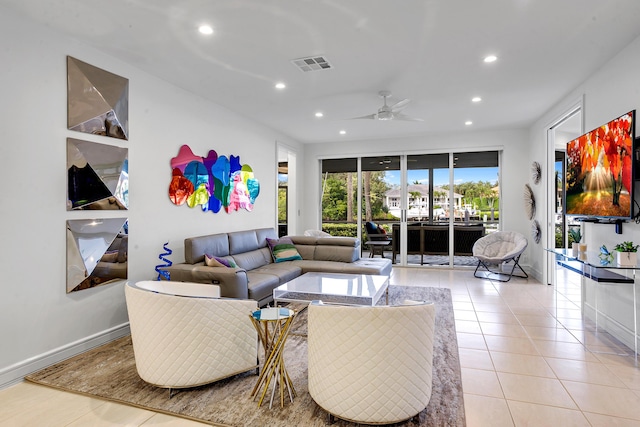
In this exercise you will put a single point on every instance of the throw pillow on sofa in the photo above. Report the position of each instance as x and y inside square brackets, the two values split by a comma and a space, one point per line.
[283, 249]
[214, 261]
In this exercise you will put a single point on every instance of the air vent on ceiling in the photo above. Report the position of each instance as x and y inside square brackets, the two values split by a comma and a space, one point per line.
[312, 63]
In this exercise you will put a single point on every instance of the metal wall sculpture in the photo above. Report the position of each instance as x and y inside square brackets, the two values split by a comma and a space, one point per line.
[97, 100]
[97, 176]
[214, 182]
[97, 252]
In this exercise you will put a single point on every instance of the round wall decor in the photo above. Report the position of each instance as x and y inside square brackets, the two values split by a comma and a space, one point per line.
[536, 172]
[529, 201]
[536, 233]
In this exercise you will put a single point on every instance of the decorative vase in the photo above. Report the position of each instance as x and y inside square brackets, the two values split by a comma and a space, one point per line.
[627, 258]
[582, 247]
[575, 248]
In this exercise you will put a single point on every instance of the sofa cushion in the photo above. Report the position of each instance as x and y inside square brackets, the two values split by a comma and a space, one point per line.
[338, 241]
[319, 266]
[336, 253]
[263, 233]
[286, 271]
[283, 249]
[249, 240]
[253, 259]
[306, 251]
[213, 244]
[376, 266]
[261, 286]
[215, 261]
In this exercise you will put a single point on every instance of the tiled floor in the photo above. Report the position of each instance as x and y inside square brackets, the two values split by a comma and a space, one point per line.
[524, 363]
[521, 365]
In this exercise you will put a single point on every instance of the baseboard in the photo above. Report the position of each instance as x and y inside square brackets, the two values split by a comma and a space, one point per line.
[612, 326]
[16, 373]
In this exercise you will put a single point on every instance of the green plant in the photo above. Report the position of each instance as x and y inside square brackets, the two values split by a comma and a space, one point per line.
[575, 235]
[626, 247]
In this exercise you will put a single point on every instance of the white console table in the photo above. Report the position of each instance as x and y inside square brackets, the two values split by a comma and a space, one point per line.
[591, 266]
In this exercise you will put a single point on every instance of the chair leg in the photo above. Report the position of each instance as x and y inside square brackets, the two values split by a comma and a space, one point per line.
[498, 275]
[516, 263]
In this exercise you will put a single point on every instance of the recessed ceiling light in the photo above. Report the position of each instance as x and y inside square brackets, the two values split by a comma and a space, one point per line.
[468, 123]
[476, 99]
[205, 29]
[490, 58]
[343, 132]
[280, 85]
[319, 114]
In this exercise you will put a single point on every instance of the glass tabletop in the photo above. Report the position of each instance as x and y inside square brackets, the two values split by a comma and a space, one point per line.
[592, 258]
[272, 313]
[342, 288]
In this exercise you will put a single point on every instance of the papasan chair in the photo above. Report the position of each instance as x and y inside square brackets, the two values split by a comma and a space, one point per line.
[496, 248]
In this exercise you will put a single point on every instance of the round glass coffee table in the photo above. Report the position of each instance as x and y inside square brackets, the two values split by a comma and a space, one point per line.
[273, 325]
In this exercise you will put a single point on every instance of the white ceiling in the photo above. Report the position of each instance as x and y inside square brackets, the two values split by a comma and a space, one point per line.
[430, 51]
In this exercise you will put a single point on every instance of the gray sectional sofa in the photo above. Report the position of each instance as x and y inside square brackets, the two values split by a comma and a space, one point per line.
[256, 274]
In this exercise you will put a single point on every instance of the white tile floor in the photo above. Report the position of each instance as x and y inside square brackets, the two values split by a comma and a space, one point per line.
[521, 365]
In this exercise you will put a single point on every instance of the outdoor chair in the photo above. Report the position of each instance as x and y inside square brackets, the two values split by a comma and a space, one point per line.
[497, 248]
[377, 239]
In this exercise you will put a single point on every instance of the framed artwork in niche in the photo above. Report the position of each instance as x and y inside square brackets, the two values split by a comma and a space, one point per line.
[97, 100]
[97, 252]
[97, 176]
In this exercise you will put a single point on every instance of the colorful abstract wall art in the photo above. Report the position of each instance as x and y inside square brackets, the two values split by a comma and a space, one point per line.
[213, 182]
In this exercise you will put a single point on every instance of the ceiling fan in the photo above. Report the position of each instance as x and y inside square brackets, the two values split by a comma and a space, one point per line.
[390, 112]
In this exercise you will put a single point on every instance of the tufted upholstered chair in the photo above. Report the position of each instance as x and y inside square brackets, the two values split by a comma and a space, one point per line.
[185, 336]
[496, 248]
[371, 365]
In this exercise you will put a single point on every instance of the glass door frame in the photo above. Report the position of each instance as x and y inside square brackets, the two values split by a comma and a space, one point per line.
[548, 264]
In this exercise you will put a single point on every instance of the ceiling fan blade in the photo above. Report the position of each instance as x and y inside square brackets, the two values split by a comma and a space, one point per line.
[400, 116]
[400, 105]
[370, 116]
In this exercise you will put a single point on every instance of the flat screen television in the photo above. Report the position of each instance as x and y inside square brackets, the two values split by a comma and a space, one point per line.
[600, 171]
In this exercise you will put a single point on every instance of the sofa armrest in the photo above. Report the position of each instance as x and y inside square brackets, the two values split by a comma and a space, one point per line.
[232, 281]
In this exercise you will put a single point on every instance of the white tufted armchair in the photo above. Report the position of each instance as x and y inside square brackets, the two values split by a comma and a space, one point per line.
[184, 336]
[371, 365]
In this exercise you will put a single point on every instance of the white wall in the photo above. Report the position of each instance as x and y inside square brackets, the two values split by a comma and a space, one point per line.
[512, 142]
[610, 92]
[39, 322]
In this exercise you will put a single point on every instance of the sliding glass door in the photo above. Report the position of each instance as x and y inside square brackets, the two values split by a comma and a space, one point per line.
[431, 207]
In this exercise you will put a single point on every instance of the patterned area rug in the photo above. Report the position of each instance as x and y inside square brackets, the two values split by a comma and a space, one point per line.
[108, 372]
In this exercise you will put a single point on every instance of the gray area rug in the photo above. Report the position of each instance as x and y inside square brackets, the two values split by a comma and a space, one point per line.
[109, 372]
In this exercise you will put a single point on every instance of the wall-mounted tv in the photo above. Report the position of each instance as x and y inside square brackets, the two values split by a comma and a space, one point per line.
[600, 171]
